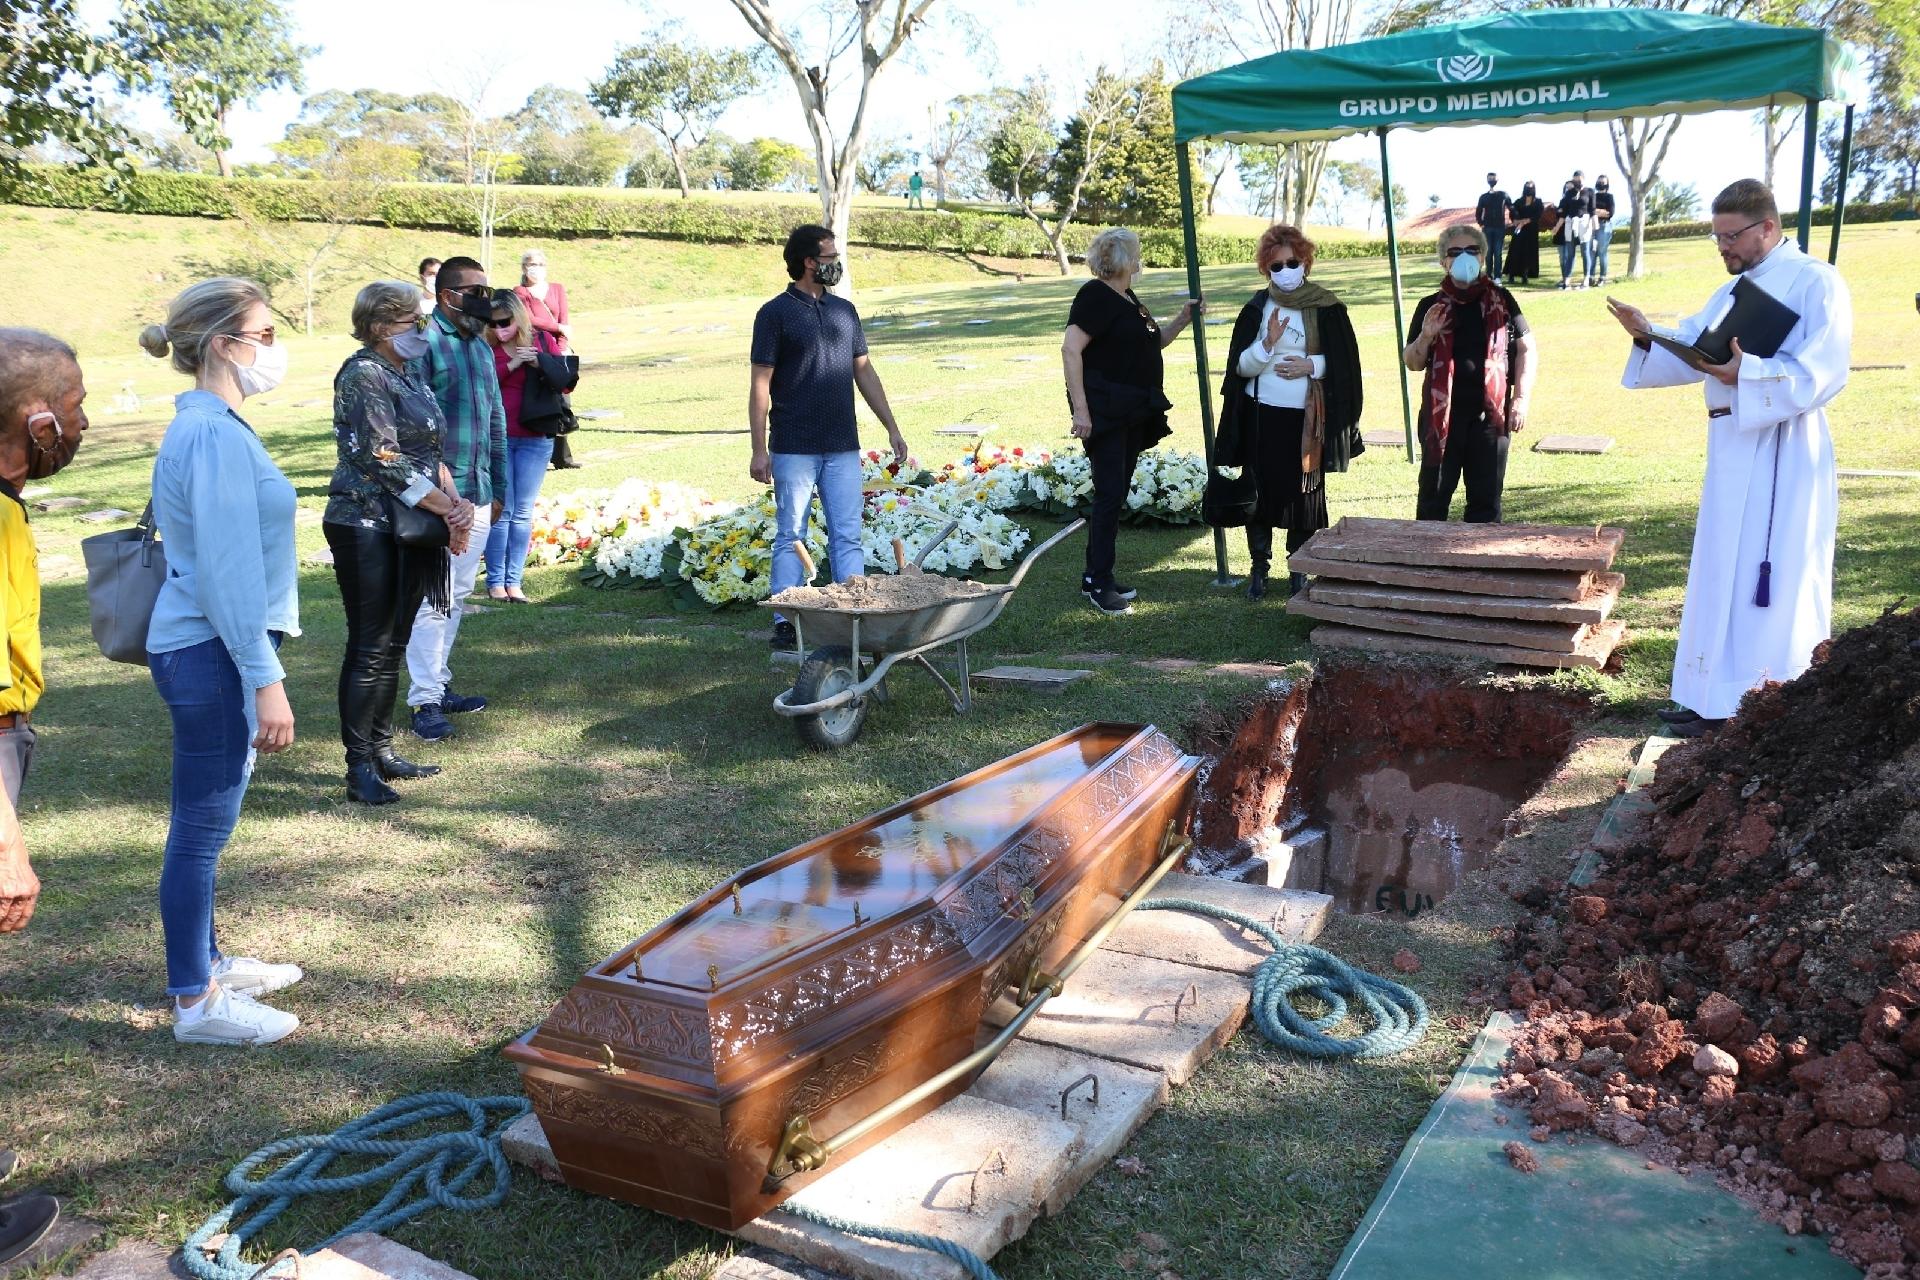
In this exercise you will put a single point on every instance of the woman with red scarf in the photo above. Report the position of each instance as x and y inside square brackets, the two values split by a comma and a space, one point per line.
[1478, 354]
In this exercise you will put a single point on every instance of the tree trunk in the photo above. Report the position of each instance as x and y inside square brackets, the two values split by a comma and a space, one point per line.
[220, 157]
[1777, 133]
[1640, 145]
[939, 184]
[679, 169]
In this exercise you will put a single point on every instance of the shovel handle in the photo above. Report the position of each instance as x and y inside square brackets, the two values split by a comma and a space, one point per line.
[806, 561]
[899, 555]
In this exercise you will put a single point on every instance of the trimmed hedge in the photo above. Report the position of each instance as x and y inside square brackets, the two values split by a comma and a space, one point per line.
[536, 211]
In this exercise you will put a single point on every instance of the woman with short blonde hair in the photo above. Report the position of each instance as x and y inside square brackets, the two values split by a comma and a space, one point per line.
[387, 428]
[1111, 356]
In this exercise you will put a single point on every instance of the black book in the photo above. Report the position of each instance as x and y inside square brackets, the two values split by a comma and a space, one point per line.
[1760, 320]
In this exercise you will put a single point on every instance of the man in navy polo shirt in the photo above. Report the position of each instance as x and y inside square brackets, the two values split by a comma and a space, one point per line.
[808, 355]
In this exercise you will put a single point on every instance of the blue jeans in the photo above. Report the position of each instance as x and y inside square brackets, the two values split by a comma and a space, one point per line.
[1496, 251]
[837, 477]
[1601, 244]
[212, 762]
[527, 459]
[1566, 259]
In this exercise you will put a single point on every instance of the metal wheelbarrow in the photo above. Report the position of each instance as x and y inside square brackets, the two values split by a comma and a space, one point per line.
[829, 700]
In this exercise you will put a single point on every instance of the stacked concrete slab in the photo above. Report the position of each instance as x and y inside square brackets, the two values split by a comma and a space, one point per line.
[1522, 594]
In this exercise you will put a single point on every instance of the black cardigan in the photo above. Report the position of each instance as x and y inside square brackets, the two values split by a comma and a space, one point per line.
[1341, 389]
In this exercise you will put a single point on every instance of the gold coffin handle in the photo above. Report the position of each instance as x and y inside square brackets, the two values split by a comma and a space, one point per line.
[801, 1152]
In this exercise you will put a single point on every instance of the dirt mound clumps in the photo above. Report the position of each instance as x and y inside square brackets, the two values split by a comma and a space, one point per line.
[1741, 988]
[882, 591]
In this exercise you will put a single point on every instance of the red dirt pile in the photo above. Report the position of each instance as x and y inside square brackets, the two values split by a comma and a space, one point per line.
[1741, 988]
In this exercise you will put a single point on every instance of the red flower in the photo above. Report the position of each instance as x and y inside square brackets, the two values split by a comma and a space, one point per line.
[1018, 452]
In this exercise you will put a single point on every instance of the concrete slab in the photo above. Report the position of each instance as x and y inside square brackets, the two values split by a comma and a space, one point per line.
[1384, 439]
[967, 429]
[525, 1144]
[1206, 943]
[1253, 670]
[134, 1260]
[596, 415]
[1857, 473]
[68, 1234]
[1088, 659]
[973, 1171]
[764, 1264]
[1124, 1008]
[368, 1256]
[105, 514]
[1573, 444]
[1044, 679]
[59, 504]
[1169, 664]
[1106, 1110]
[324, 558]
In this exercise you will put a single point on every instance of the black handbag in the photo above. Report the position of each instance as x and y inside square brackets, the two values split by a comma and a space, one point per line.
[417, 526]
[1229, 501]
[545, 404]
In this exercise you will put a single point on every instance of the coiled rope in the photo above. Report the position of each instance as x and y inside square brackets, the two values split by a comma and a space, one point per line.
[1398, 1013]
[439, 1164]
[973, 1263]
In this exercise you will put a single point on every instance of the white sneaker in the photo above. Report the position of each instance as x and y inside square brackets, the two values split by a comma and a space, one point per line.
[245, 976]
[226, 1018]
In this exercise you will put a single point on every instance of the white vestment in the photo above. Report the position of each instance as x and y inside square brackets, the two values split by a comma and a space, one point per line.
[1775, 422]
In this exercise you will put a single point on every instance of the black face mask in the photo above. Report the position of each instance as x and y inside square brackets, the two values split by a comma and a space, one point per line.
[43, 461]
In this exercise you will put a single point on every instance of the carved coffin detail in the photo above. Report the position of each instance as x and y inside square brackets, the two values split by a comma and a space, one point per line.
[840, 974]
[634, 1118]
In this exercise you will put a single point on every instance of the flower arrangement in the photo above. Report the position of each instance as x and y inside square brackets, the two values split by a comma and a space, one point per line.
[728, 558]
[574, 526]
[985, 538]
[1167, 488]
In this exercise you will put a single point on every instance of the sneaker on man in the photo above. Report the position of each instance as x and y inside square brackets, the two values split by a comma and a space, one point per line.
[1124, 591]
[24, 1222]
[430, 724]
[250, 977]
[227, 1018]
[1106, 600]
[455, 704]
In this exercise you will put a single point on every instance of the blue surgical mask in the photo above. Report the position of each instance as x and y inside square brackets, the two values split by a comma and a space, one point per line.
[1465, 269]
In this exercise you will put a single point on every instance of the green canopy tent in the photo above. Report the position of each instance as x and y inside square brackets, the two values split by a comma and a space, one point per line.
[1519, 68]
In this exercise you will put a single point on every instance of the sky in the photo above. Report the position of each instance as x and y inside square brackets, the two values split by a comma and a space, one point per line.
[425, 45]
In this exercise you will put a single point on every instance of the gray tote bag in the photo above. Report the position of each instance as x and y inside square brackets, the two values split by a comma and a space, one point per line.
[124, 571]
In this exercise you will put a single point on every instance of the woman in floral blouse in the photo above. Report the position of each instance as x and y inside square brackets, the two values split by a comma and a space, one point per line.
[386, 425]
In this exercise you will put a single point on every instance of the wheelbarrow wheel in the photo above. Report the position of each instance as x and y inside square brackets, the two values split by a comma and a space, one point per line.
[827, 671]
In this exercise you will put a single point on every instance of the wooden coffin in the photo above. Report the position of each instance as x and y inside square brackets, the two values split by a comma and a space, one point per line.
[838, 976]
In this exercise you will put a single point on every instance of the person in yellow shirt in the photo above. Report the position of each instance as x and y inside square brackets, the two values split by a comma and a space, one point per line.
[41, 422]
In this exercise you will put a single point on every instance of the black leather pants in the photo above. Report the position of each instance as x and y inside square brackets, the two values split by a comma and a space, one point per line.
[366, 563]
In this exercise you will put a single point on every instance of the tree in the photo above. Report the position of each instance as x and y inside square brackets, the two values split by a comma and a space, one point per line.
[563, 142]
[1360, 180]
[876, 30]
[1886, 141]
[648, 164]
[765, 164]
[881, 163]
[486, 156]
[428, 125]
[676, 88]
[1026, 155]
[1137, 179]
[51, 65]
[955, 132]
[226, 51]
[1670, 202]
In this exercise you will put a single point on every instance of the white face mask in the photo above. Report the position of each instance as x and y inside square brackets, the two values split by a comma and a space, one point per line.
[1289, 278]
[268, 370]
[409, 344]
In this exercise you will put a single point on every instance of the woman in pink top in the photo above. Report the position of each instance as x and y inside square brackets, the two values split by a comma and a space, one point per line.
[515, 342]
[546, 302]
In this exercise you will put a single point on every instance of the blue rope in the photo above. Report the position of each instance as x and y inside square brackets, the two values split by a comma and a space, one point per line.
[440, 1164]
[974, 1265]
[1398, 1014]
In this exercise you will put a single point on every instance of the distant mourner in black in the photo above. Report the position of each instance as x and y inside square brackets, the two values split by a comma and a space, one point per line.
[387, 428]
[1291, 397]
[1478, 355]
[1111, 358]
[1523, 256]
[1493, 213]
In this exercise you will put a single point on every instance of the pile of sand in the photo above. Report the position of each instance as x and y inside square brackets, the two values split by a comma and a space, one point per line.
[882, 591]
[1741, 988]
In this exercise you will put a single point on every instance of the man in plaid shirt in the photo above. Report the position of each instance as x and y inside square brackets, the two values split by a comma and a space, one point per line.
[459, 367]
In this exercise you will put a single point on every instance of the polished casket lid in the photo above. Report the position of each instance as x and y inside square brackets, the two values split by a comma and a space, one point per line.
[810, 936]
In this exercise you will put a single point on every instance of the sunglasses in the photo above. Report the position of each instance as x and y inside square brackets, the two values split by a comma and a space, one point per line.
[265, 336]
[503, 323]
[1291, 264]
[472, 291]
[1459, 249]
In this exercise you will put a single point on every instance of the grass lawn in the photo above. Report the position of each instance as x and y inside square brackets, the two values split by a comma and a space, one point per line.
[631, 760]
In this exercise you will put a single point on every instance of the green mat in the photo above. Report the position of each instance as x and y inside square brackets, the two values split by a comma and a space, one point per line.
[1452, 1206]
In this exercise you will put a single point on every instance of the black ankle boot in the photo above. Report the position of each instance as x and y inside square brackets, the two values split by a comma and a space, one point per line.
[1296, 583]
[391, 767]
[365, 787]
[1257, 582]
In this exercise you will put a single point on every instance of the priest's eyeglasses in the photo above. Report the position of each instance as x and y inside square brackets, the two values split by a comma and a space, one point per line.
[1725, 239]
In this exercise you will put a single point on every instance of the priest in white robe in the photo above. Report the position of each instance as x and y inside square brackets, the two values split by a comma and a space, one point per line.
[1770, 497]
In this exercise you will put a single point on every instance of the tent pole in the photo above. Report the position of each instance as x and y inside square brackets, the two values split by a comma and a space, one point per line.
[1809, 135]
[1191, 241]
[1393, 266]
[1840, 186]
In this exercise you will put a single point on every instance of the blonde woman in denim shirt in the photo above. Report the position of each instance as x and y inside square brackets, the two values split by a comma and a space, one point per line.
[225, 513]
